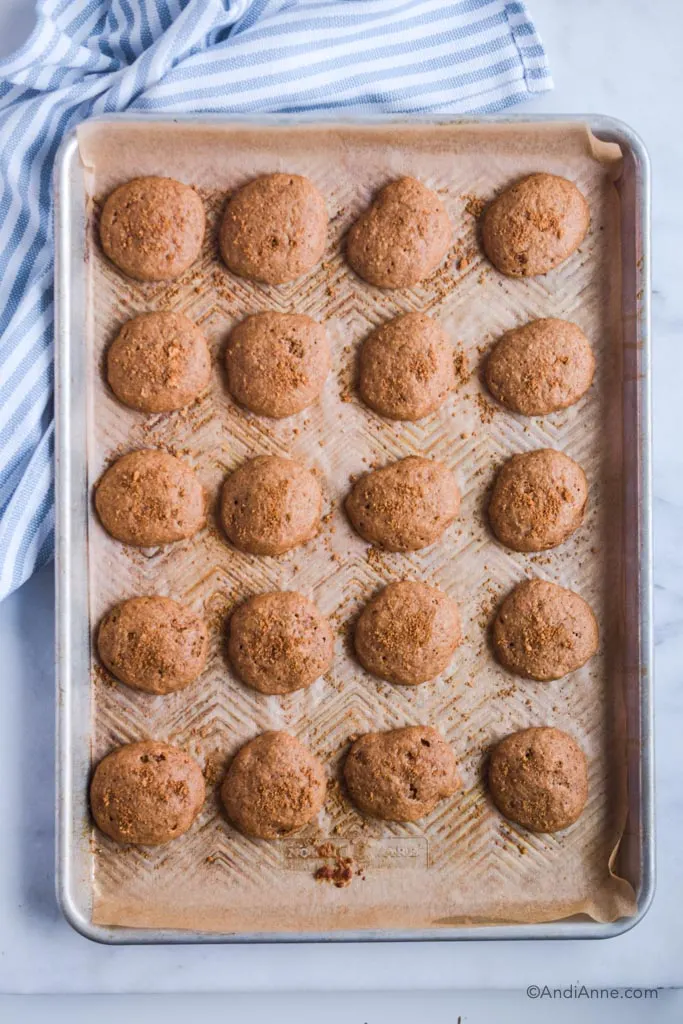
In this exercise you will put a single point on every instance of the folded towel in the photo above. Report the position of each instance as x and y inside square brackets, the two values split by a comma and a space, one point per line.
[90, 57]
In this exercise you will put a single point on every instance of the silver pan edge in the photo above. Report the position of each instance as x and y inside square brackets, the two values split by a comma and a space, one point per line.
[637, 850]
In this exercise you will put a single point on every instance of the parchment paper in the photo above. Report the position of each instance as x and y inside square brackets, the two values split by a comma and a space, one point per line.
[464, 863]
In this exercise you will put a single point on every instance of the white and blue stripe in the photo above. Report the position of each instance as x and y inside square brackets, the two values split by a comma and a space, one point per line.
[90, 57]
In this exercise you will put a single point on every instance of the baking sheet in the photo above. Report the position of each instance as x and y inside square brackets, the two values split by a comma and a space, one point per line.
[463, 864]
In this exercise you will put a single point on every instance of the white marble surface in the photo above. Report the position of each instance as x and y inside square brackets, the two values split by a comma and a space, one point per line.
[608, 56]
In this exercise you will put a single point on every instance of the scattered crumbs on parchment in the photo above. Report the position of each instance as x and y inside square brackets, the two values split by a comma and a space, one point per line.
[103, 676]
[485, 409]
[461, 365]
[339, 871]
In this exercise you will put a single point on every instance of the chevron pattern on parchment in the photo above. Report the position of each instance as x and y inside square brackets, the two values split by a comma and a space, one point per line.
[470, 848]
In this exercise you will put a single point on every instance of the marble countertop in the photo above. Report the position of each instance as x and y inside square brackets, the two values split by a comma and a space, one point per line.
[606, 58]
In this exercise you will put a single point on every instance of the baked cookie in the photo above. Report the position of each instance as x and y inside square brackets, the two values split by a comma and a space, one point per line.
[274, 228]
[538, 778]
[273, 786]
[535, 225]
[148, 498]
[146, 793]
[538, 500]
[152, 228]
[153, 644]
[270, 505]
[406, 367]
[277, 363]
[541, 367]
[401, 238]
[158, 362]
[404, 506]
[280, 642]
[407, 633]
[401, 775]
[543, 631]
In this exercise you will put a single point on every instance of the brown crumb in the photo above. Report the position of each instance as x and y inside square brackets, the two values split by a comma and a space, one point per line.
[340, 874]
[213, 768]
[474, 205]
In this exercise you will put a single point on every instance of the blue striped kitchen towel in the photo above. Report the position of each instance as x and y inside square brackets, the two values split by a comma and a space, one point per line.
[90, 57]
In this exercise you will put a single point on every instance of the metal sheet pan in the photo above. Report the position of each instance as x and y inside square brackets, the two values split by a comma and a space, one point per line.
[74, 867]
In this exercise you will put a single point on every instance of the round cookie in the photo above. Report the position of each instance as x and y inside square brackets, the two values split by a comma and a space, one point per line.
[543, 631]
[152, 228]
[273, 786]
[146, 793]
[158, 362]
[270, 505]
[153, 644]
[148, 498]
[280, 642]
[408, 633]
[274, 229]
[406, 367]
[401, 775]
[538, 500]
[538, 778]
[541, 367]
[405, 506]
[277, 363]
[535, 225]
[401, 238]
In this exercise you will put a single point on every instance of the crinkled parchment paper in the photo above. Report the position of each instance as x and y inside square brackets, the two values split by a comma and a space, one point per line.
[463, 863]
